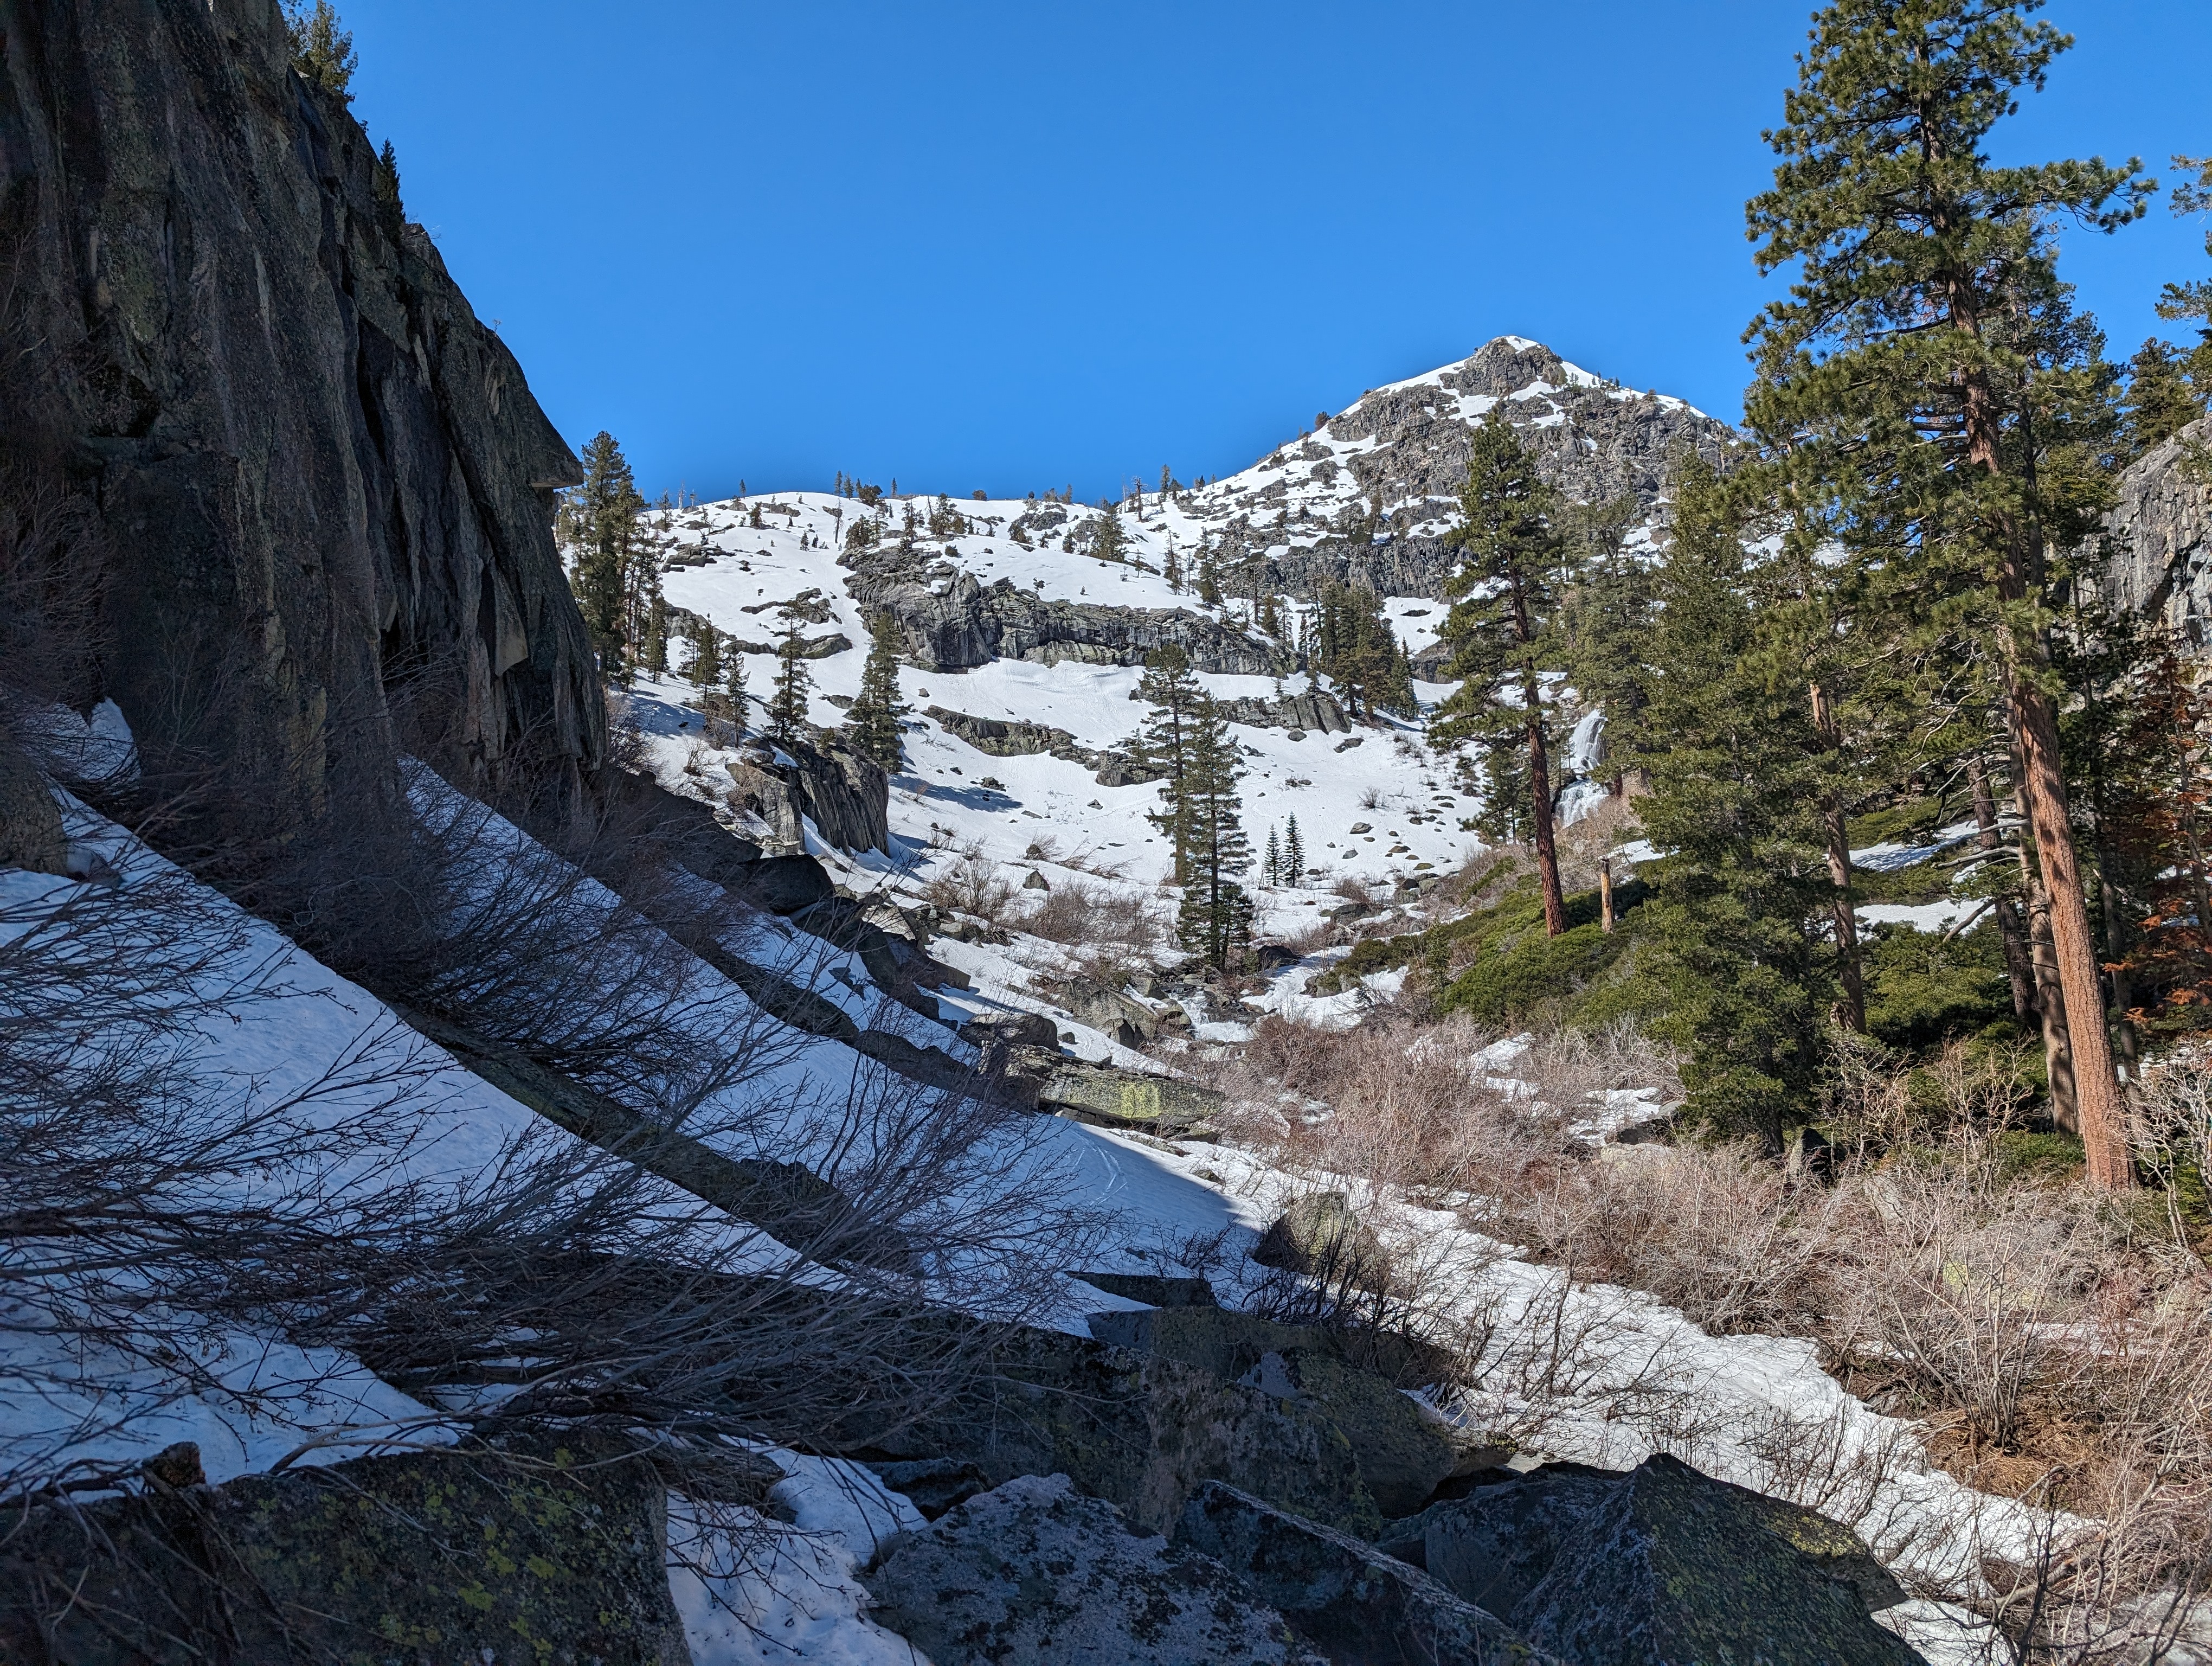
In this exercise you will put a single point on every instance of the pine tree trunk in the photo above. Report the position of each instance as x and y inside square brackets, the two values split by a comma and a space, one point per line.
[2040, 782]
[1540, 795]
[1836, 834]
[2020, 970]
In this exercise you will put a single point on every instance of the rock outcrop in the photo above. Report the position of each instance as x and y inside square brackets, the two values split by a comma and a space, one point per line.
[450, 1556]
[1659, 1567]
[951, 622]
[846, 796]
[2159, 565]
[319, 476]
[1034, 1571]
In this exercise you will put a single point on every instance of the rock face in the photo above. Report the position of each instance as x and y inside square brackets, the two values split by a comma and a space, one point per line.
[951, 622]
[320, 475]
[1036, 1572]
[2162, 538]
[435, 1556]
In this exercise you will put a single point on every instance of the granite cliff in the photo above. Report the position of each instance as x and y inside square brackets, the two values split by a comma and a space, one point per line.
[315, 476]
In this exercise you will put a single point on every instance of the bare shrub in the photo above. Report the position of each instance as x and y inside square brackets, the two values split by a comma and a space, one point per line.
[152, 1191]
[1114, 926]
[973, 886]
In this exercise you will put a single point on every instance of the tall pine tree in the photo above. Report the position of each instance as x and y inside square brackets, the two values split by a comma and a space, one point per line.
[1501, 631]
[1738, 945]
[604, 514]
[1889, 377]
[1215, 920]
[787, 703]
[872, 722]
[1163, 744]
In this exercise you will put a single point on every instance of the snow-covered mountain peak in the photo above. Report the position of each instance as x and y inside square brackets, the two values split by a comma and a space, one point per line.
[1012, 618]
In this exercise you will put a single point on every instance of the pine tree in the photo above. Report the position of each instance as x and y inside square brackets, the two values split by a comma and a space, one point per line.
[2161, 400]
[605, 508]
[390, 214]
[321, 52]
[1209, 577]
[1162, 745]
[787, 705]
[2192, 300]
[705, 670]
[872, 721]
[740, 702]
[1901, 382]
[1271, 864]
[1606, 622]
[1502, 629]
[1294, 852]
[1170, 570]
[1110, 543]
[1733, 802]
[1215, 920]
[655, 655]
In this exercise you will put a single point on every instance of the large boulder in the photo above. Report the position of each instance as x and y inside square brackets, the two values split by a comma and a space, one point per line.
[1034, 1571]
[1665, 1566]
[1496, 1545]
[1363, 1608]
[1120, 1098]
[1116, 1015]
[1320, 1236]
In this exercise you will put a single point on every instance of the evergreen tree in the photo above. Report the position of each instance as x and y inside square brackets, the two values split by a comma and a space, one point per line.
[1110, 543]
[872, 721]
[705, 670]
[2161, 399]
[2193, 300]
[1162, 745]
[1215, 920]
[321, 52]
[739, 700]
[1209, 577]
[1733, 801]
[1271, 864]
[655, 655]
[787, 705]
[1170, 570]
[1294, 852]
[1607, 622]
[1913, 376]
[605, 511]
[1502, 629]
[390, 214]
[1352, 645]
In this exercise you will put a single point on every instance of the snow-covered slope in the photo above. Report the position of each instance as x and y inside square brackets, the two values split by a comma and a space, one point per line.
[1009, 617]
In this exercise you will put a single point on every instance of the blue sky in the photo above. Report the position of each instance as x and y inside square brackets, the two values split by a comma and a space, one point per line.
[1021, 246]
